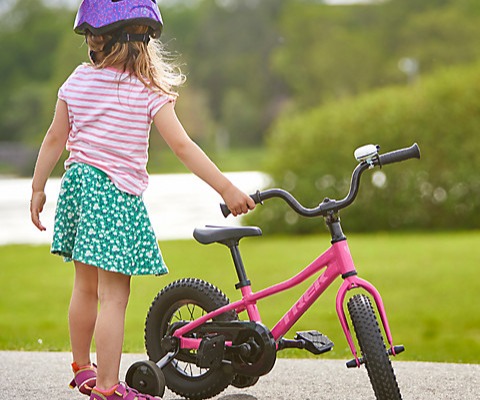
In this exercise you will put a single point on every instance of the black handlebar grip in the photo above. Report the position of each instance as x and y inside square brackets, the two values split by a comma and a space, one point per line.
[400, 155]
[225, 210]
[256, 198]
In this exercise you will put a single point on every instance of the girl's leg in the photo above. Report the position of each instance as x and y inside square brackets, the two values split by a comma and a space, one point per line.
[113, 292]
[83, 312]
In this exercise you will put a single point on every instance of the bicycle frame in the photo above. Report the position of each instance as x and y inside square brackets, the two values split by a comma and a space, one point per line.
[337, 262]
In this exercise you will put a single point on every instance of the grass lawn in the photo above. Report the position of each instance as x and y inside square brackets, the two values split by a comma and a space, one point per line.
[429, 284]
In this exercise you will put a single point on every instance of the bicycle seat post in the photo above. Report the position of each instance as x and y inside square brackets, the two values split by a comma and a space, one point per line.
[244, 284]
[239, 267]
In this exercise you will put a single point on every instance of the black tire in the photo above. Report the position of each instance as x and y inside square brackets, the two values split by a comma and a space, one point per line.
[372, 346]
[185, 300]
[146, 377]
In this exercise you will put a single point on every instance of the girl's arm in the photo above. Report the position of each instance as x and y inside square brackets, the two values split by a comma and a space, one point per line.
[48, 156]
[198, 162]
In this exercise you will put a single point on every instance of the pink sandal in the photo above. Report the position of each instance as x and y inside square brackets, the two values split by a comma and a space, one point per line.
[85, 378]
[120, 392]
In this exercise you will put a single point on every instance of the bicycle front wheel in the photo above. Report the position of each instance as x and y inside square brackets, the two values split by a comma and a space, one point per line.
[372, 346]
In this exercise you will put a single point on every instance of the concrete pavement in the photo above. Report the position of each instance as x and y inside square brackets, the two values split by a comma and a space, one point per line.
[45, 376]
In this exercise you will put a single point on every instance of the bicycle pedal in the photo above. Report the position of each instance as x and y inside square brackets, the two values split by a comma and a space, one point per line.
[211, 352]
[315, 342]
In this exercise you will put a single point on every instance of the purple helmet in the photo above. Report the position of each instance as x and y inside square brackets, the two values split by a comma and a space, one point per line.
[101, 16]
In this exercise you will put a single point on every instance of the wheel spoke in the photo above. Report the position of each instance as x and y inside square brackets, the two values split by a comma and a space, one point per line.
[191, 309]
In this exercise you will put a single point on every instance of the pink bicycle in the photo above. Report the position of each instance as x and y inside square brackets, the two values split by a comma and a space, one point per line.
[198, 346]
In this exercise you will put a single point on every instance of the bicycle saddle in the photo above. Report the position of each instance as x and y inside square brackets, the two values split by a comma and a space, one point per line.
[224, 234]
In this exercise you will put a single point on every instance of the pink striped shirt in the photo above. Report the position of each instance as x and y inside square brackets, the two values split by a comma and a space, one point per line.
[110, 118]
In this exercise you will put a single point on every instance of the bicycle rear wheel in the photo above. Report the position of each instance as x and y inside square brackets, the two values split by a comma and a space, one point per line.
[184, 301]
[372, 346]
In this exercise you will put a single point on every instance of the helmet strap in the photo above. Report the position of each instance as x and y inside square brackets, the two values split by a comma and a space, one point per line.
[134, 37]
[125, 37]
[93, 56]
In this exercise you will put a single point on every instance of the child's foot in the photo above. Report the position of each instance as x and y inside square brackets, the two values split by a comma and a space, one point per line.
[85, 378]
[120, 392]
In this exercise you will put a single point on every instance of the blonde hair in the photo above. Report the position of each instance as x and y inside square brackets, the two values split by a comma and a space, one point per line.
[150, 63]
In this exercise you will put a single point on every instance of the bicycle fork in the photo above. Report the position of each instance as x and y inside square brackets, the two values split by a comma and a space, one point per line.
[352, 281]
[346, 269]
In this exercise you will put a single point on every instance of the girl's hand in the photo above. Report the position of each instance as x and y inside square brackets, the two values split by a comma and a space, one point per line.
[237, 202]
[36, 207]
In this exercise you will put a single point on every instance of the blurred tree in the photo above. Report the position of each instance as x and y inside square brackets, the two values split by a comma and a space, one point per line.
[247, 61]
[30, 34]
[229, 58]
[440, 112]
[26, 109]
[328, 52]
[333, 52]
[70, 52]
[428, 35]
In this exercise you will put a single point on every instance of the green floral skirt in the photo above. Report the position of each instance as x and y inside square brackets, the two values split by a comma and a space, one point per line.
[97, 224]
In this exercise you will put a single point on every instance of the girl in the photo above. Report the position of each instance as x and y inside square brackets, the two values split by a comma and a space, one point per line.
[103, 116]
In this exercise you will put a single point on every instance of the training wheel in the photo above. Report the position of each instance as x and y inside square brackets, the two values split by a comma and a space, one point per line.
[244, 381]
[146, 377]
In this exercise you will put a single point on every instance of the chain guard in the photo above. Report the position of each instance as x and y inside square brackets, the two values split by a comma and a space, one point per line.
[263, 348]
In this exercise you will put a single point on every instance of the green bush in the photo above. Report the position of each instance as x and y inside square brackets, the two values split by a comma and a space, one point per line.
[311, 154]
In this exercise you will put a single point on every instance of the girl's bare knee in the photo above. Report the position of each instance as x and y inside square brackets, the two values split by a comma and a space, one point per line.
[113, 288]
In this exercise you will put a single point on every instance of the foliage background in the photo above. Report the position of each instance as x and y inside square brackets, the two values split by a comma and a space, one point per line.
[249, 62]
[305, 82]
[440, 192]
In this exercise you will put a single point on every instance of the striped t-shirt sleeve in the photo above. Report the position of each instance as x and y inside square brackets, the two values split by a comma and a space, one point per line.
[156, 101]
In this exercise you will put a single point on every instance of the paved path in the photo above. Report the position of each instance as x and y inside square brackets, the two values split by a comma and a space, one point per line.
[45, 376]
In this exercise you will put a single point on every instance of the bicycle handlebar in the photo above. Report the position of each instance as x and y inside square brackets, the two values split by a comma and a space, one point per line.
[329, 205]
